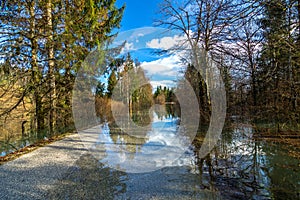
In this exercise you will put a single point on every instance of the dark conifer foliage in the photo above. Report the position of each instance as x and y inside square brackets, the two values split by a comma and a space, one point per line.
[43, 44]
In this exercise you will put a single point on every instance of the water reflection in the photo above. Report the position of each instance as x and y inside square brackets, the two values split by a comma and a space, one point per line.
[15, 142]
[162, 145]
[238, 167]
[242, 167]
[18, 132]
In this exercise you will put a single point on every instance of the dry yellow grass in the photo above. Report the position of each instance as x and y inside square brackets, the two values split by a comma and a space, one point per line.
[11, 123]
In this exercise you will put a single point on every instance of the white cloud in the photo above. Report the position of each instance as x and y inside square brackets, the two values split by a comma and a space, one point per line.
[163, 71]
[167, 66]
[163, 83]
[166, 43]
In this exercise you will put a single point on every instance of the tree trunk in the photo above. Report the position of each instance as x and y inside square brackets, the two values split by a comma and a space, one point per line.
[51, 71]
[36, 76]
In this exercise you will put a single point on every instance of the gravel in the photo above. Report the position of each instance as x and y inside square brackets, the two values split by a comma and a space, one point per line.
[66, 170]
[32, 175]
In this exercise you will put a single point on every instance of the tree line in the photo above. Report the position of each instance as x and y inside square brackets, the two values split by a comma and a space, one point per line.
[256, 46]
[127, 87]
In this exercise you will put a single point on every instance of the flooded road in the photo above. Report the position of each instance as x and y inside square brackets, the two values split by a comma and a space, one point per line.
[158, 164]
[92, 180]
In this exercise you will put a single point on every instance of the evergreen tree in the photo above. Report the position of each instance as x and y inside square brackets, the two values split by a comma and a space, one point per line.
[48, 41]
[112, 81]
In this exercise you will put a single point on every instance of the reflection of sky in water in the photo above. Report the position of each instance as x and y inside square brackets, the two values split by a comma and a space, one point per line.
[261, 169]
[163, 146]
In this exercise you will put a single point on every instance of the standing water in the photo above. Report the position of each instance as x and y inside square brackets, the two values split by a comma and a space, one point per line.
[239, 167]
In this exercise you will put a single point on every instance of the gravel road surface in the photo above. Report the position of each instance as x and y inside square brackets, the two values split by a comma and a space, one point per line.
[32, 175]
[66, 170]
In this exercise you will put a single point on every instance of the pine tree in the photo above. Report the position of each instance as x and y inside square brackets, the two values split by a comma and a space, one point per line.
[48, 41]
[112, 81]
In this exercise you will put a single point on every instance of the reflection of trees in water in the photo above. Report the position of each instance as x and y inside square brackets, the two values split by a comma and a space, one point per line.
[142, 117]
[242, 167]
[160, 111]
[283, 172]
[234, 161]
[166, 111]
[125, 140]
[173, 110]
[90, 180]
[16, 132]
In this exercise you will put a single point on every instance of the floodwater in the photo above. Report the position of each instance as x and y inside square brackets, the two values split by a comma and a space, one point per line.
[158, 164]
[10, 143]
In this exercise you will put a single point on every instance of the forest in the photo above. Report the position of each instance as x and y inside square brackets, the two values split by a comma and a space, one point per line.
[255, 44]
[49, 49]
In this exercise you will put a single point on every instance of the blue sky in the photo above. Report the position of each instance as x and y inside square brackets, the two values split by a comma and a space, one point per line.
[142, 39]
[138, 13]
